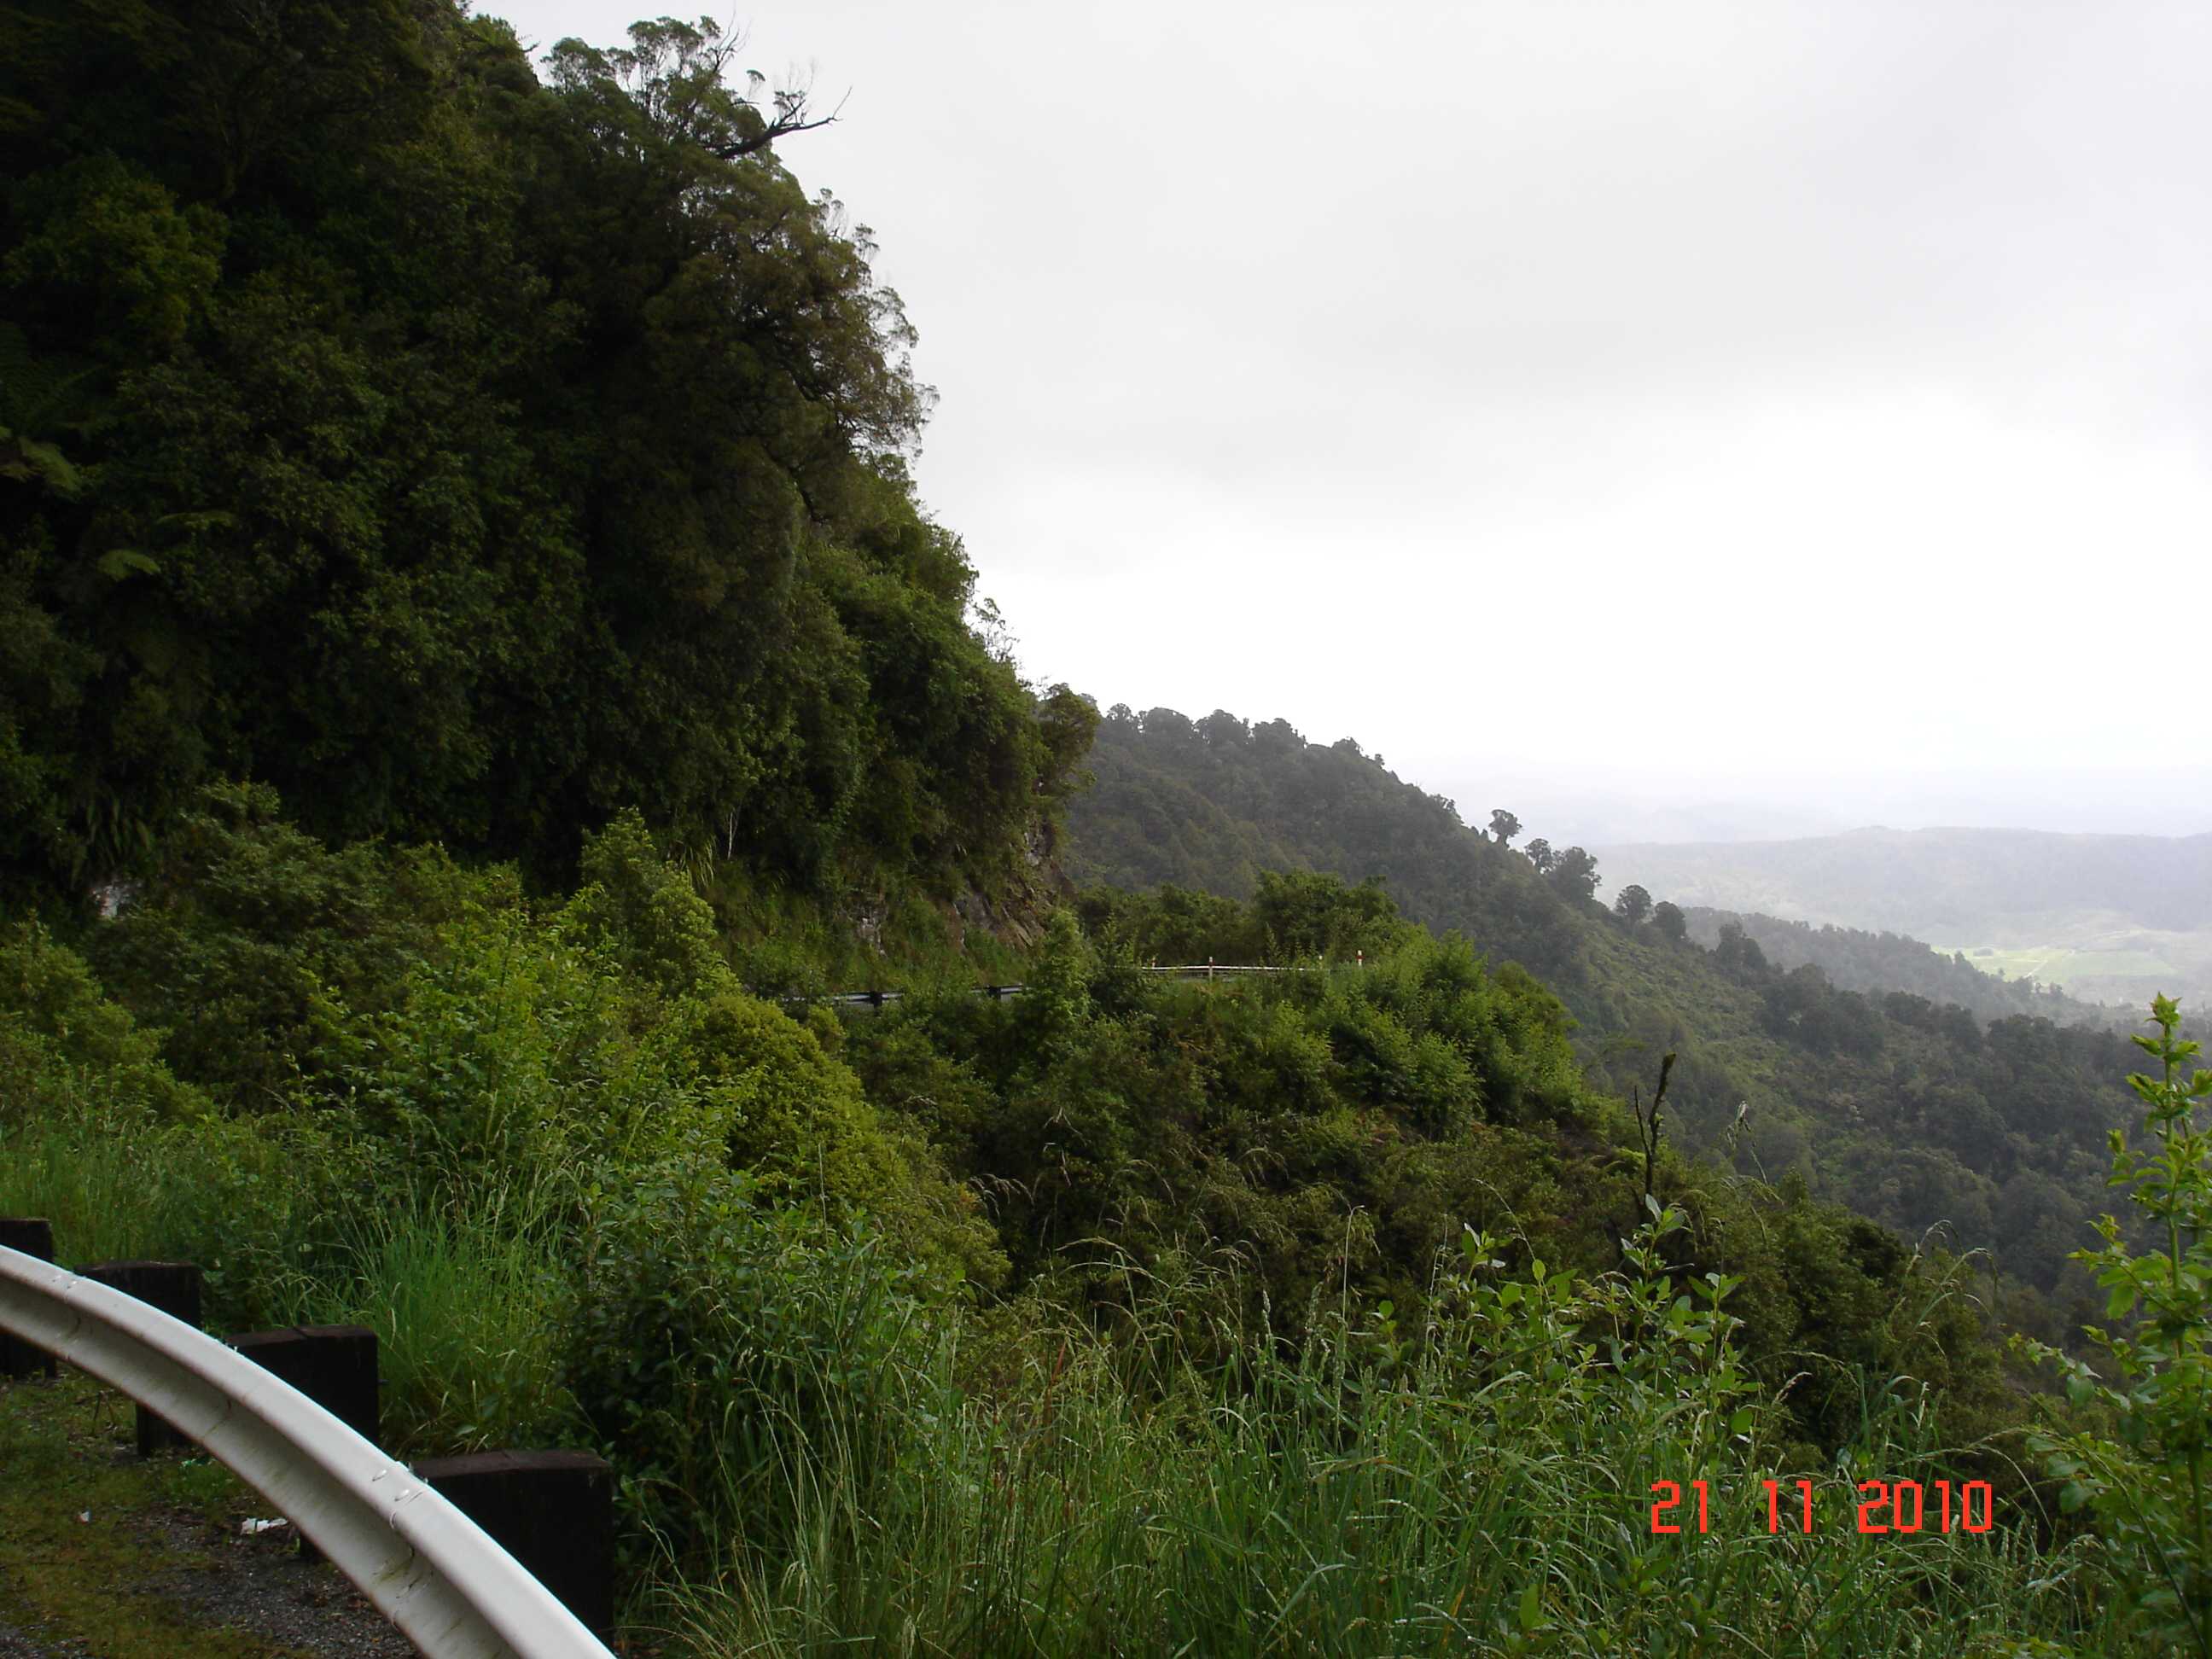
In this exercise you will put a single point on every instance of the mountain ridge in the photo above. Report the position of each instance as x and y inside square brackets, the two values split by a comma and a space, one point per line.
[1917, 1112]
[2110, 917]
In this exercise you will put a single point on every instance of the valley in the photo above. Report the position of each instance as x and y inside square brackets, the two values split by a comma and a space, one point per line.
[2108, 918]
[518, 822]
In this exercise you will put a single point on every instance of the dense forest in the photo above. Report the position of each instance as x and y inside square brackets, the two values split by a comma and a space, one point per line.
[476, 668]
[1917, 1112]
[466, 458]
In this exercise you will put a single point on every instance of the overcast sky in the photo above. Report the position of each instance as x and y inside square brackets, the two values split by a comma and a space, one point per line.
[1811, 401]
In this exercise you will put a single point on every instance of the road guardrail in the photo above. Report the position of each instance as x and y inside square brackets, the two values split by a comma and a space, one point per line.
[426, 1566]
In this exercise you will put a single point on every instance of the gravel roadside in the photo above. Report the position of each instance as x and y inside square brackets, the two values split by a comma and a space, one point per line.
[107, 1556]
[254, 1587]
[260, 1584]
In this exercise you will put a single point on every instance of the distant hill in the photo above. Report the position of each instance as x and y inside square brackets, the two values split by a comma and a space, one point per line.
[2110, 918]
[1937, 883]
[1856, 960]
[1913, 1111]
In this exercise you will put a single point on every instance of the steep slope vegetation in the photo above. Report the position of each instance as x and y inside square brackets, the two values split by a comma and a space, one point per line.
[1915, 1112]
[468, 633]
[2110, 918]
[1856, 960]
[469, 459]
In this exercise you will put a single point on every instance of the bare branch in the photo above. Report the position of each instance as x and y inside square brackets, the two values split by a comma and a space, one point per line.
[790, 118]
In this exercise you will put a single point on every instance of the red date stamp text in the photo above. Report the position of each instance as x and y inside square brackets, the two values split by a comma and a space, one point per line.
[1881, 1506]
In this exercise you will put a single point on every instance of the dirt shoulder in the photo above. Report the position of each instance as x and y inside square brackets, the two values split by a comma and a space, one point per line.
[101, 1554]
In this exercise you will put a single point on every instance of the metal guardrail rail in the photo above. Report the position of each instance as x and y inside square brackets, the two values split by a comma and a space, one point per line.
[425, 1565]
[1184, 971]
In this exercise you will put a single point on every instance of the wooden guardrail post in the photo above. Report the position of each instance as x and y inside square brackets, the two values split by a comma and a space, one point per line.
[334, 1365]
[427, 1567]
[33, 1237]
[175, 1288]
[553, 1512]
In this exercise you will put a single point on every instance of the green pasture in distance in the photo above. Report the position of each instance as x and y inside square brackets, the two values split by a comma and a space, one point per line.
[2067, 966]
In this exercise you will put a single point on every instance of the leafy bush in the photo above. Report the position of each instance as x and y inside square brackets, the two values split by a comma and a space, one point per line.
[63, 1041]
[2139, 1456]
[260, 951]
[797, 1118]
[720, 1343]
[656, 930]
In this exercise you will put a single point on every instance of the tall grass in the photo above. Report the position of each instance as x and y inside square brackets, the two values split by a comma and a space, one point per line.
[1024, 1486]
[107, 1196]
[1268, 1523]
[252, 1204]
[1344, 1501]
[464, 1287]
[468, 1304]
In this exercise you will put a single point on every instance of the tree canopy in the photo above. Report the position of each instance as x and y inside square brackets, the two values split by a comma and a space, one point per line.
[1906, 1106]
[468, 456]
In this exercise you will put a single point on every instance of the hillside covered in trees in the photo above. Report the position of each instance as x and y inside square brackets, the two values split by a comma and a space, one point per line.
[472, 662]
[2111, 919]
[467, 457]
[1855, 959]
[1915, 1111]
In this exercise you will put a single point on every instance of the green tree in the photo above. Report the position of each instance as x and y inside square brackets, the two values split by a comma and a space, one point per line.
[1303, 915]
[1736, 951]
[1539, 854]
[1504, 826]
[1633, 903]
[1667, 918]
[469, 459]
[2148, 1476]
[1574, 873]
[678, 74]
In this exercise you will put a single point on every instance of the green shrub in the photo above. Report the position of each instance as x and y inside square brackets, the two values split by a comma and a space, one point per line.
[643, 910]
[260, 951]
[2139, 1452]
[798, 1119]
[516, 1054]
[63, 1043]
[719, 1342]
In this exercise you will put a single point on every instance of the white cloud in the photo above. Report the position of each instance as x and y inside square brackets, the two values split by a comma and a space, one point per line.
[1789, 390]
